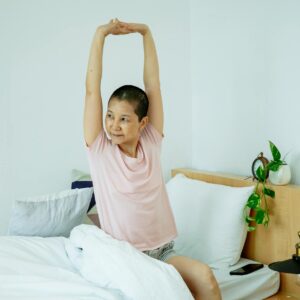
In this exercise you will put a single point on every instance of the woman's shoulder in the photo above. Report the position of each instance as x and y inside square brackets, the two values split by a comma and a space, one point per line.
[151, 133]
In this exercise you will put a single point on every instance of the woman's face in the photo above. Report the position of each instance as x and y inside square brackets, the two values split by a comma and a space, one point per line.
[121, 122]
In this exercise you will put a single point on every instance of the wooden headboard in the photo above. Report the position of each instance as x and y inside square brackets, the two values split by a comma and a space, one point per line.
[275, 243]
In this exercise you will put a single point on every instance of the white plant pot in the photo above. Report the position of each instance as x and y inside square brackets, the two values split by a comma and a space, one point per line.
[282, 176]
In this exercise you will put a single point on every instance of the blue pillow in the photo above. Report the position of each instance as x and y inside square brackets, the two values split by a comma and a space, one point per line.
[84, 184]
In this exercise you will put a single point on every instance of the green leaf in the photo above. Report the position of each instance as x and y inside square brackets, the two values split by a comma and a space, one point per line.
[275, 152]
[253, 200]
[266, 223]
[251, 228]
[249, 219]
[260, 215]
[260, 173]
[274, 165]
[269, 192]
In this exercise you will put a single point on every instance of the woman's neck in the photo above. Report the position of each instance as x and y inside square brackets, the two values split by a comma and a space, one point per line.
[129, 150]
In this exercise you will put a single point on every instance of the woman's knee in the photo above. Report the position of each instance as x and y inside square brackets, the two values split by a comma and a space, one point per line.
[205, 275]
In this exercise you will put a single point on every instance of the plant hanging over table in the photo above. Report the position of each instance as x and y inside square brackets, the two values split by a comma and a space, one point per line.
[256, 210]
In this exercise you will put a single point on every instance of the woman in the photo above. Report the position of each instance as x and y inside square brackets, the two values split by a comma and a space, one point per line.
[130, 193]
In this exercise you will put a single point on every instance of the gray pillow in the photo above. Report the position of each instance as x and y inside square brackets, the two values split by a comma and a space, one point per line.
[48, 215]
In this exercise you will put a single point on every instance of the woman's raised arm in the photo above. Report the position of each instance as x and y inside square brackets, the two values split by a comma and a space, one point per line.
[151, 75]
[93, 109]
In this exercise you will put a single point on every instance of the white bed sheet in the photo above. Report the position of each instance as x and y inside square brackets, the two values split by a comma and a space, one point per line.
[38, 268]
[254, 286]
[87, 266]
[34, 267]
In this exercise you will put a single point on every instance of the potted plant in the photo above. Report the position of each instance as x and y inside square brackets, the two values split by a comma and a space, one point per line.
[256, 210]
[279, 170]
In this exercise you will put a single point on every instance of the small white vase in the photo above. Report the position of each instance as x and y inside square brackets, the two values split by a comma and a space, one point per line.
[282, 176]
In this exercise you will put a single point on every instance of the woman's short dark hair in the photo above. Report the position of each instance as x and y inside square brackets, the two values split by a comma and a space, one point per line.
[135, 96]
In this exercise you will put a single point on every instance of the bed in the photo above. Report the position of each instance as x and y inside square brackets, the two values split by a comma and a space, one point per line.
[274, 244]
[68, 267]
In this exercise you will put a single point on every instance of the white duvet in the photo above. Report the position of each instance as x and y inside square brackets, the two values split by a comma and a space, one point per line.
[88, 265]
[36, 268]
[111, 263]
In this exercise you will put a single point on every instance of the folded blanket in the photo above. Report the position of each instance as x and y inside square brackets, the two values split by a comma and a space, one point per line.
[111, 263]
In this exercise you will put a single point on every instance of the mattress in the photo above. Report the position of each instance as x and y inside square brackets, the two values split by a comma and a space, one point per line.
[254, 286]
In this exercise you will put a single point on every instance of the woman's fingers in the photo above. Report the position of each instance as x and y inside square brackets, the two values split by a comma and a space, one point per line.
[116, 26]
[123, 27]
[127, 26]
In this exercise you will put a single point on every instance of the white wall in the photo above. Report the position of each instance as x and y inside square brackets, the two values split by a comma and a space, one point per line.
[245, 71]
[44, 53]
[229, 75]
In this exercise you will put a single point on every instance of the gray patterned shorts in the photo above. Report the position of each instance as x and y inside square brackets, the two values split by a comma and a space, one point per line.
[162, 253]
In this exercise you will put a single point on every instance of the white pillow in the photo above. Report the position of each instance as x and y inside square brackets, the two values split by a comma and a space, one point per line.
[209, 219]
[53, 214]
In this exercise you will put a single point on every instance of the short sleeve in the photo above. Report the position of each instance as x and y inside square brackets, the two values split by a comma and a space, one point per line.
[153, 134]
[98, 144]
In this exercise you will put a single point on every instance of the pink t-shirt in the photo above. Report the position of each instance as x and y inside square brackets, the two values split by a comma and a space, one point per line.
[131, 197]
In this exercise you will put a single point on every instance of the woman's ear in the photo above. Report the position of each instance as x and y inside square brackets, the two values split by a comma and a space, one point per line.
[144, 122]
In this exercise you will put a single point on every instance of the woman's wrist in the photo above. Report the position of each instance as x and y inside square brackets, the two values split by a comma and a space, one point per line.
[101, 32]
[144, 30]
